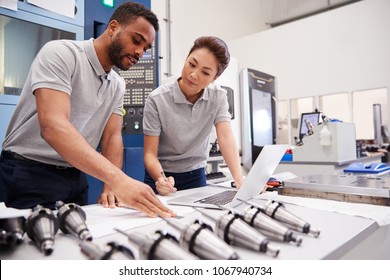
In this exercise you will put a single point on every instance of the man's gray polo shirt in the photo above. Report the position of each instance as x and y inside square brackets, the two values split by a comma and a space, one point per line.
[71, 67]
[184, 128]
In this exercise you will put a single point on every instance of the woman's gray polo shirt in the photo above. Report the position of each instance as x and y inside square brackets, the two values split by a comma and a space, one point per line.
[71, 67]
[184, 128]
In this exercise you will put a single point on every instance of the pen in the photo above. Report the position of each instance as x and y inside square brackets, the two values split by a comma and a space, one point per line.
[165, 177]
[166, 180]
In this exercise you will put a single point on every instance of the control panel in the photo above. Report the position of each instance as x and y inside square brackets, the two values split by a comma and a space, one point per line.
[141, 80]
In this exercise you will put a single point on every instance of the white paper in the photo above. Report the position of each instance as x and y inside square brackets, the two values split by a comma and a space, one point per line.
[283, 176]
[62, 7]
[9, 4]
[102, 221]
[380, 214]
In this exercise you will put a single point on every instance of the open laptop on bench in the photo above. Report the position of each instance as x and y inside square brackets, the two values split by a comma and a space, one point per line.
[254, 183]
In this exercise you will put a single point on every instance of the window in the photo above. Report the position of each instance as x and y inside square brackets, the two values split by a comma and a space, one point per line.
[336, 106]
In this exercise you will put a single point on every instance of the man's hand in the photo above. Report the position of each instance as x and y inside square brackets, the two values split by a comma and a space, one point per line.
[137, 195]
[108, 199]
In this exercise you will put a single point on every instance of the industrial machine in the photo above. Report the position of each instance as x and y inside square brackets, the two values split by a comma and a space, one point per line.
[35, 25]
[258, 116]
[140, 79]
[328, 142]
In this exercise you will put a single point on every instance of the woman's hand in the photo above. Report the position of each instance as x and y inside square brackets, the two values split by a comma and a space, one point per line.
[165, 185]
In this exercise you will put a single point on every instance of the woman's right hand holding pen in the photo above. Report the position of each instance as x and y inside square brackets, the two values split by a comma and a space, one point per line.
[165, 185]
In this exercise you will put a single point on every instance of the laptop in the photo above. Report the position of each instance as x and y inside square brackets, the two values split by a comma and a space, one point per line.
[254, 183]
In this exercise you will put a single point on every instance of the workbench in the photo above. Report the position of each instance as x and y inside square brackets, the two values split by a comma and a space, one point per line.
[343, 236]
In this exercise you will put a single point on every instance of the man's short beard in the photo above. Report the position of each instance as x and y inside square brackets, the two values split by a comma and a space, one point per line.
[114, 52]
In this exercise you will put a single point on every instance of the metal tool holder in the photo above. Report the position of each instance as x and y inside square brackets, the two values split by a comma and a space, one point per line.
[158, 246]
[268, 226]
[12, 230]
[278, 211]
[42, 225]
[111, 251]
[72, 220]
[234, 231]
[199, 239]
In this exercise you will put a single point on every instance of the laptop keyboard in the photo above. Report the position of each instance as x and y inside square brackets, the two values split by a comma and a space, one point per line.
[215, 175]
[221, 198]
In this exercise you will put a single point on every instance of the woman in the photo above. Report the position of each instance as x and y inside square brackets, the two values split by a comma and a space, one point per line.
[179, 117]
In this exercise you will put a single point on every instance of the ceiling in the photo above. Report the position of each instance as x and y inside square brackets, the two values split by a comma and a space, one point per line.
[277, 12]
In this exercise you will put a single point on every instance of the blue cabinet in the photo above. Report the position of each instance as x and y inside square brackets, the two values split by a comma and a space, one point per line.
[7, 108]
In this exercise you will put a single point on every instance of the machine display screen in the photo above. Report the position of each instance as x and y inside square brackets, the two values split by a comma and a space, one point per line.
[313, 118]
[16, 55]
[261, 117]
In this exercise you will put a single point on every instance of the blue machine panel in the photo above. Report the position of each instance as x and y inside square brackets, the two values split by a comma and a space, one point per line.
[140, 79]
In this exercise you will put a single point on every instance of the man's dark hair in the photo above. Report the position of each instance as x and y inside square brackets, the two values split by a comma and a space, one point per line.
[129, 11]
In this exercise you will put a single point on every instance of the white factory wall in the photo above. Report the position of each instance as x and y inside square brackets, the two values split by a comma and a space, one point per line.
[343, 50]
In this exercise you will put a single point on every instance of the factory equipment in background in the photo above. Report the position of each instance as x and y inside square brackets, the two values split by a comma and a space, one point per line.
[379, 130]
[37, 26]
[307, 123]
[141, 79]
[258, 116]
[329, 142]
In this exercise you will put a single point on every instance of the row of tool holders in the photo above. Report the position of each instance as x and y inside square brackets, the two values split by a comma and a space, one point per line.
[257, 228]
[42, 225]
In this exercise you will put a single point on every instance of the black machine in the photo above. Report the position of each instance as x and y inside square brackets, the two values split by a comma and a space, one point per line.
[258, 119]
[307, 121]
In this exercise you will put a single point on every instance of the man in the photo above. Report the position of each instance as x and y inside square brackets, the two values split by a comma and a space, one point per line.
[71, 100]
